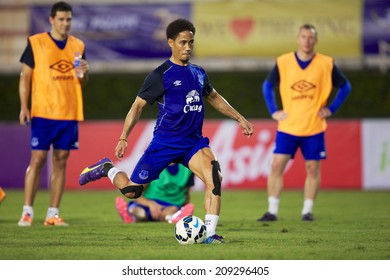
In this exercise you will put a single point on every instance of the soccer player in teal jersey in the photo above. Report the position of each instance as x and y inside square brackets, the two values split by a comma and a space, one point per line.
[165, 199]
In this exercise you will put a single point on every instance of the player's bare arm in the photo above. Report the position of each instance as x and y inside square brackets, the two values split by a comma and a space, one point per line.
[131, 119]
[24, 94]
[223, 106]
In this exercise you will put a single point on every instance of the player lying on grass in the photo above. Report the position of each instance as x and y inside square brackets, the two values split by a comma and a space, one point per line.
[165, 199]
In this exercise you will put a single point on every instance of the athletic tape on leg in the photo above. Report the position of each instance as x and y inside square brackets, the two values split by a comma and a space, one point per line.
[137, 190]
[216, 179]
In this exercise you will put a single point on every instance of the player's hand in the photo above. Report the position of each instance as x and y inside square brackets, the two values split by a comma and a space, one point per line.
[155, 210]
[120, 149]
[24, 117]
[84, 66]
[248, 128]
[324, 113]
[279, 115]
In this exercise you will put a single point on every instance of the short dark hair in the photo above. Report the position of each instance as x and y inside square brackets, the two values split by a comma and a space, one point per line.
[61, 7]
[177, 26]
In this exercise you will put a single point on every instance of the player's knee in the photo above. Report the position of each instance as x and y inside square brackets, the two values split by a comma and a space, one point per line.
[132, 191]
[312, 170]
[217, 178]
[139, 213]
[37, 162]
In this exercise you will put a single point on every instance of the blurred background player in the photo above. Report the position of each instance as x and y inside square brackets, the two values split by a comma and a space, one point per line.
[2, 195]
[56, 107]
[179, 88]
[165, 199]
[305, 79]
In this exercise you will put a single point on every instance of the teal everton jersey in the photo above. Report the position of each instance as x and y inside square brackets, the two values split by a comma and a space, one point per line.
[171, 186]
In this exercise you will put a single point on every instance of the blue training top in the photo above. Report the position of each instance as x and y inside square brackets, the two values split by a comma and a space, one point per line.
[178, 91]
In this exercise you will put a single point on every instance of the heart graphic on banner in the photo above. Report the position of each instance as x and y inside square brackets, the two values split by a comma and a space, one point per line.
[242, 27]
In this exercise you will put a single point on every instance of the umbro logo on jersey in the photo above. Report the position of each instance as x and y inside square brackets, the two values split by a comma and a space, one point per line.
[177, 83]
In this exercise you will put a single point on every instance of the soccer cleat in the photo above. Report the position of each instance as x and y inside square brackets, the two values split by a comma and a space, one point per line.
[94, 172]
[214, 239]
[2, 194]
[55, 221]
[121, 207]
[26, 220]
[186, 210]
[268, 217]
[308, 217]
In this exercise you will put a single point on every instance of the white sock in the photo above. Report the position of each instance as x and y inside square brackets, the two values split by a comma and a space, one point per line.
[51, 212]
[273, 205]
[307, 206]
[211, 222]
[112, 173]
[28, 209]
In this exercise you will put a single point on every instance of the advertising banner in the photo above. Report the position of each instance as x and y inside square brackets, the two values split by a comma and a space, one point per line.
[15, 154]
[244, 162]
[376, 27]
[376, 154]
[269, 28]
[358, 154]
[234, 28]
[116, 32]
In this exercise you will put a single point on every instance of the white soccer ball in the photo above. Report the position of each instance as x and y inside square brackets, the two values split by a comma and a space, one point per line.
[190, 230]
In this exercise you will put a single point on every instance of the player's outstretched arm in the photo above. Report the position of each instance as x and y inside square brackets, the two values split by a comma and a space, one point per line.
[223, 106]
[130, 121]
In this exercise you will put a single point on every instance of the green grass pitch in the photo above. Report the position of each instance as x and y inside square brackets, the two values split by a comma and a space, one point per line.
[349, 225]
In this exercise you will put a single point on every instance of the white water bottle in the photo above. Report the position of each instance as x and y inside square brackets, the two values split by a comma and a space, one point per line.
[77, 65]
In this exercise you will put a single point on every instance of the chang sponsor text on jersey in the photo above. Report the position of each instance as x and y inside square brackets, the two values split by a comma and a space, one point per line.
[192, 102]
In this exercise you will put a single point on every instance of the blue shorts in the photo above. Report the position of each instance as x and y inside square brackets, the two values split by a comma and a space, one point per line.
[158, 156]
[133, 204]
[312, 147]
[62, 134]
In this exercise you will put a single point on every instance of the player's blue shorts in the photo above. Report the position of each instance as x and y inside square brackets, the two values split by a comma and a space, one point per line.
[62, 134]
[312, 147]
[164, 204]
[158, 156]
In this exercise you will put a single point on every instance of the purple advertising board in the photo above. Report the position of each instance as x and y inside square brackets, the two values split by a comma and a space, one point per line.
[116, 32]
[376, 26]
[15, 156]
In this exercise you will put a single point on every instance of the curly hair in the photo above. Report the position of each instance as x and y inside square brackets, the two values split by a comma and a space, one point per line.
[177, 26]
